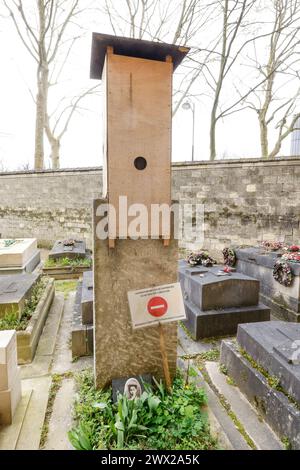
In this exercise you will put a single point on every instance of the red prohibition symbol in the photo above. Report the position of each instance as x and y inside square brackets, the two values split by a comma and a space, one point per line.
[157, 306]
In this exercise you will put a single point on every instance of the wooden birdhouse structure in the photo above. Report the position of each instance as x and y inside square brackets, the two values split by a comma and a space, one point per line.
[137, 79]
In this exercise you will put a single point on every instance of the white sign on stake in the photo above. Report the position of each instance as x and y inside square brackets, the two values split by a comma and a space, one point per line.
[156, 305]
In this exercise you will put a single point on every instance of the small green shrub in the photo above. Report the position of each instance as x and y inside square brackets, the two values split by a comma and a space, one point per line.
[156, 420]
[67, 262]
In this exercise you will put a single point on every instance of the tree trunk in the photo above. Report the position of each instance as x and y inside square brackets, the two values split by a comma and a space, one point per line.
[212, 134]
[39, 129]
[55, 157]
[264, 144]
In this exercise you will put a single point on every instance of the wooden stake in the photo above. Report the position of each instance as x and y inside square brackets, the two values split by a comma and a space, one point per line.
[164, 357]
[111, 243]
[166, 241]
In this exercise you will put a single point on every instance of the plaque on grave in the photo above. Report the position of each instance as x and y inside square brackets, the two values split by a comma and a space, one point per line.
[132, 387]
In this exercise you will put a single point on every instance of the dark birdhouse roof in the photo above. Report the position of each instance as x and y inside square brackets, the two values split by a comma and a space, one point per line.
[132, 48]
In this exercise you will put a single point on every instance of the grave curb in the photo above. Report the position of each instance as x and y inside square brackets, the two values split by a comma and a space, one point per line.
[66, 272]
[27, 341]
[281, 415]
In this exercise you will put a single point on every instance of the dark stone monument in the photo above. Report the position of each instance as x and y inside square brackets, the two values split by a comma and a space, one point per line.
[82, 335]
[259, 263]
[265, 364]
[68, 249]
[87, 298]
[216, 302]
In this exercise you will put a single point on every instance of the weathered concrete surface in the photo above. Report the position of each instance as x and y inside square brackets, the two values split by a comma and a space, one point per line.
[260, 433]
[191, 347]
[14, 290]
[10, 382]
[61, 418]
[28, 339]
[41, 364]
[9, 434]
[208, 291]
[87, 298]
[62, 358]
[29, 438]
[82, 335]
[284, 301]
[131, 265]
[221, 425]
[276, 347]
[282, 415]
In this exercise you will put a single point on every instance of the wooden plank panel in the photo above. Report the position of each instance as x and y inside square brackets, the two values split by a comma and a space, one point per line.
[139, 124]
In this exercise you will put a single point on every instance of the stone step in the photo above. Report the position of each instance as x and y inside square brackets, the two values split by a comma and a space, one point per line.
[221, 425]
[61, 418]
[9, 434]
[30, 434]
[41, 364]
[260, 433]
[48, 339]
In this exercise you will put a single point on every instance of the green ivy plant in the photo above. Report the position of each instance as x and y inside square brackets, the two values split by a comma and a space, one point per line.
[156, 420]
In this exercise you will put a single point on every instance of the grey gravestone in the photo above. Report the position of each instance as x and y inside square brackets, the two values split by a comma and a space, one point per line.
[208, 290]
[215, 304]
[118, 385]
[276, 347]
[284, 301]
[82, 335]
[273, 350]
[28, 267]
[60, 250]
[87, 298]
[14, 290]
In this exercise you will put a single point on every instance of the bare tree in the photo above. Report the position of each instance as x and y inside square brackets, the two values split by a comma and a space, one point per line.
[217, 31]
[276, 102]
[174, 21]
[226, 48]
[48, 29]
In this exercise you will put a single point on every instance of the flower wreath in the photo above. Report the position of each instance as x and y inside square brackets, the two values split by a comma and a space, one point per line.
[69, 242]
[293, 257]
[272, 245]
[200, 258]
[229, 256]
[282, 273]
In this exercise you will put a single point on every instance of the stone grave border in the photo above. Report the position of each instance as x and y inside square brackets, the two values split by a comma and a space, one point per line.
[274, 406]
[27, 340]
[66, 272]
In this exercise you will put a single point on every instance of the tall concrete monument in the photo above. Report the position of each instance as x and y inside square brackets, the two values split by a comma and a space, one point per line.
[137, 89]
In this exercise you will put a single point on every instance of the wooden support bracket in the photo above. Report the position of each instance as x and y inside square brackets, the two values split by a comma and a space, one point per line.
[111, 243]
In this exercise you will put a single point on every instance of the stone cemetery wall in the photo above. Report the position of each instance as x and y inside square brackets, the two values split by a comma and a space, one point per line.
[245, 201]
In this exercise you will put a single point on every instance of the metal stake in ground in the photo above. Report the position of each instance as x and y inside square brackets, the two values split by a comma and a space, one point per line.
[164, 357]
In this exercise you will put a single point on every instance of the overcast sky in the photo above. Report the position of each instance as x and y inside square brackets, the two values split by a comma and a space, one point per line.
[82, 145]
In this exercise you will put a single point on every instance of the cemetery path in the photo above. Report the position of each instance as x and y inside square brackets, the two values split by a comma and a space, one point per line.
[44, 416]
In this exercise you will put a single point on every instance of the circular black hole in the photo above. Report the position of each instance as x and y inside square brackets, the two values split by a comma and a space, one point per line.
[140, 163]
